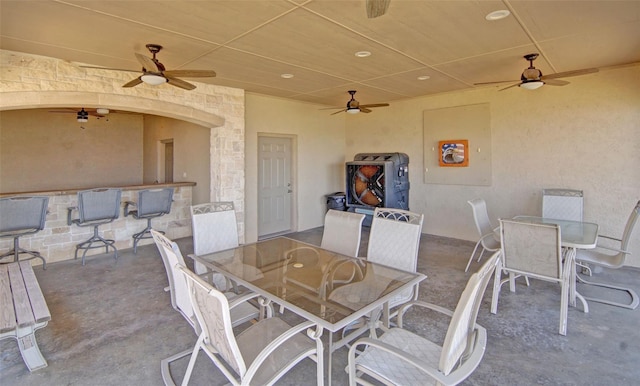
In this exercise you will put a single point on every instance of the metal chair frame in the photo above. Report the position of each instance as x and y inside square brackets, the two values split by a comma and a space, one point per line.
[21, 216]
[96, 207]
[151, 203]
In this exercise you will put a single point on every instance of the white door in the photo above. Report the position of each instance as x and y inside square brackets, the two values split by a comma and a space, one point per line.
[274, 185]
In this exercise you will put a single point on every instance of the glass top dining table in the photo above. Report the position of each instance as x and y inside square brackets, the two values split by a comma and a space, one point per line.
[300, 276]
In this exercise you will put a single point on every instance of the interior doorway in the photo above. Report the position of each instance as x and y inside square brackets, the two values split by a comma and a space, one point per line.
[275, 185]
[165, 161]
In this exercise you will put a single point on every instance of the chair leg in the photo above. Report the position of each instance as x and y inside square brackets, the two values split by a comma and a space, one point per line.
[88, 244]
[632, 305]
[473, 254]
[166, 371]
[17, 251]
[497, 283]
[144, 234]
[192, 361]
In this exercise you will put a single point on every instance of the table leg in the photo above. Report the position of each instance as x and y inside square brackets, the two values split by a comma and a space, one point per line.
[573, 293]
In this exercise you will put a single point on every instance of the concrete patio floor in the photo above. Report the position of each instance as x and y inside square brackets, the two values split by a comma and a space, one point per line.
[112, 323]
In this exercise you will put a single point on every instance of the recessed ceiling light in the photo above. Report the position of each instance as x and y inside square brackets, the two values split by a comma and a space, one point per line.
[497, 15]
[363, 54]
[424, 77]
[286, 76]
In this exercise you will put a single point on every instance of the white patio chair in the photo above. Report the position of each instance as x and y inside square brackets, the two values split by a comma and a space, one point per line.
[401, 357]
[614, 258]
[261, 354]
[562, 204]
[533, 250]
[394, 240]
[489, 238]
[341, 234]
[171, 257]
[214, 229]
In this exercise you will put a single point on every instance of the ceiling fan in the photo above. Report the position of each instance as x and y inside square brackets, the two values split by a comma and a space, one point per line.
[83, 114]
[155, 73]
[532, 78]
[354, 107]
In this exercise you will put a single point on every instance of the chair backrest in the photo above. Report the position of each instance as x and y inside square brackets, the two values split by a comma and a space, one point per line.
[99, 204]
[483, 224]
[342, 232]
[562, 204]
[460, 334]
[628, 229]
[23, 213]
[154, 201]
[214, 227]
[212, 311]
[172, 258]
[394, 238]
[532, 249]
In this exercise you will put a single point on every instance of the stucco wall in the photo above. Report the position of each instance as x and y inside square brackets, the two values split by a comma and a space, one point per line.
[40, 150]
[585, 135]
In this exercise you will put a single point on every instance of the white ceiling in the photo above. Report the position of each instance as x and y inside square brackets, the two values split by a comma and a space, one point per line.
[250, 43]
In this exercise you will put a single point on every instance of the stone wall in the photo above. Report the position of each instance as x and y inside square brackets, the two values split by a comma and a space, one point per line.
[29, 81]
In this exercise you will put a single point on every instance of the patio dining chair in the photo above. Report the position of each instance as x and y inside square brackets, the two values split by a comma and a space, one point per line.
[562, 204]
[402, 357]
[489, 238]
[261, 354]
[612, 257]
[533, 250]
[341, 234]
[22, 216]
[394, 240]
[241, 311]
[214, 229]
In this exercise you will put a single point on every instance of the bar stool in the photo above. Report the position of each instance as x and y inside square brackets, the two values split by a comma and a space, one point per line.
[96, 207]
[151, 203]
[21, 216]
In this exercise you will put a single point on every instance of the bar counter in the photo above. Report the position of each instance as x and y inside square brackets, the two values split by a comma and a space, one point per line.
[57, 241]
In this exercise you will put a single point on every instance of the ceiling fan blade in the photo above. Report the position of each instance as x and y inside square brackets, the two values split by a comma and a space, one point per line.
[567, 74]
[499, 81]
[513, 85]
[133, 82]
[364, 110]
[147, 63]
[556, 82]
[339, 111]
[109, 69]
[190, 73]
[377, 8]
[374, 105]
[180, 83]
[331, 108]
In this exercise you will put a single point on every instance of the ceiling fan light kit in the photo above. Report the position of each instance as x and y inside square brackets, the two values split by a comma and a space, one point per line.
[153, 79]
[353, 110]
[529, 85]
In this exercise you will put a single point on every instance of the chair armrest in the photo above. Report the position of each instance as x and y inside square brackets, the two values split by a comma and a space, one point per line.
[419, 303]
[614, 249]
[242, 298]
[277, 342]
[126, 207]
[69, 211]
[609, 238]
[404, 356]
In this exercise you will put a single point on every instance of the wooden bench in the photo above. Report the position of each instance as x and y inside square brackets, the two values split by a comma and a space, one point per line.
[23, 310]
